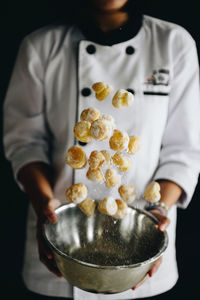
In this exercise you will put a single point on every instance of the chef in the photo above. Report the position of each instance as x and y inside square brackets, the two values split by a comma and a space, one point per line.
[51, 85]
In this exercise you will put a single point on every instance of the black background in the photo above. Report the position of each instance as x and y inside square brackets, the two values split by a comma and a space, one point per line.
[18, 19]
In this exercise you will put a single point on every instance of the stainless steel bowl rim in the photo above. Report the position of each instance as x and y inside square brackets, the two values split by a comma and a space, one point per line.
[148, 261]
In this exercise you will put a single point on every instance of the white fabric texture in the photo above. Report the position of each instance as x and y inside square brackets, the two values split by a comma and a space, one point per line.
[44, 97]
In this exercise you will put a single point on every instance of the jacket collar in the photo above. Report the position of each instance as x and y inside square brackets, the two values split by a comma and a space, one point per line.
[124, 33]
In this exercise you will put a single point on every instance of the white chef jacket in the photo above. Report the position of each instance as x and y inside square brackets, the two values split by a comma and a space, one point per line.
[50, 86]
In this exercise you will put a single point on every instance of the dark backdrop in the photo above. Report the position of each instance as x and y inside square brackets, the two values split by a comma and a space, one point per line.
[18, 19]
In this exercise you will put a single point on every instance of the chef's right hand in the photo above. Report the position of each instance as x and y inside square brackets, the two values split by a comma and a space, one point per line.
[37, 180]
[45, 210]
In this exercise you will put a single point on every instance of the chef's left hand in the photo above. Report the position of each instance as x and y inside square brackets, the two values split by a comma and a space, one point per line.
[163, 223]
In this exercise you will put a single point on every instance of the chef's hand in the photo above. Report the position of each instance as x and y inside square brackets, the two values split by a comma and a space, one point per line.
[46, 211]
[163, 223]
[37, 180]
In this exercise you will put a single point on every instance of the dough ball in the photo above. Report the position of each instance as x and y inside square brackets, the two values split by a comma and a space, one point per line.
[122, 98]
[82, 131]
[122, 209]
[122, 161]
[76, 193]
[108, 206]
[112, 178]
[127, 192]
[101, 129]
[102, 90]
[76, 157]
[108, 162]
[110, 119]
[87, 206]
[95, 175]
[152, 192]
[119, 140]
[90, 114]
[134, 144]
[96, 159]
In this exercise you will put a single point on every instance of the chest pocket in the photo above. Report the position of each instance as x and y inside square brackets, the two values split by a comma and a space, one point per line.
[156, 90]
[151, 109]
[158, 84]
[156, 100]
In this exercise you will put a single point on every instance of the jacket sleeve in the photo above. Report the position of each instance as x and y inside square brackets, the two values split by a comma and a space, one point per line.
[26, 138]
[180, 151]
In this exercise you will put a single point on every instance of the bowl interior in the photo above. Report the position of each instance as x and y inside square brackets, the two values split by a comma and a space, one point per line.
[104, 241]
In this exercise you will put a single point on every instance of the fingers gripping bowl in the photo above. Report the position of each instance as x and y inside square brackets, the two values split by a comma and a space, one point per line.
[101, 254]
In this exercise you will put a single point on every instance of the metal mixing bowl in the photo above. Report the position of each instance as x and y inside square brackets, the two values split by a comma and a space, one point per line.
[101, 254]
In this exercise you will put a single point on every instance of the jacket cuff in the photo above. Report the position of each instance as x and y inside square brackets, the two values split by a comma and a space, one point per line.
[25, 156]
[183, 176]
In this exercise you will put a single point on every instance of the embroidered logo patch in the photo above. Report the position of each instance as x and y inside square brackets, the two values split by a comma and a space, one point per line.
[158, 83]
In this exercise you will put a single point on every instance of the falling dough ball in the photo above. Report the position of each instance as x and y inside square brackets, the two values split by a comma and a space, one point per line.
[122, 98]
[102, 90]
[112, 178]
[82, 131]
[108, 162]
[96, 159]
[76, 157]
[101, 129]
[122, 161]
[90, 114]
[108, 206]
[95, 175]
[87, 206]
[110, 119]
[134, 144]
[153, 187]
[122, 209]
[127, 192]
[119, 140]
[152, 192]
[76, 193]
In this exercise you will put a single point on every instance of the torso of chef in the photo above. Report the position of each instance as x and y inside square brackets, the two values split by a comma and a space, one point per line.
[63, 65]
